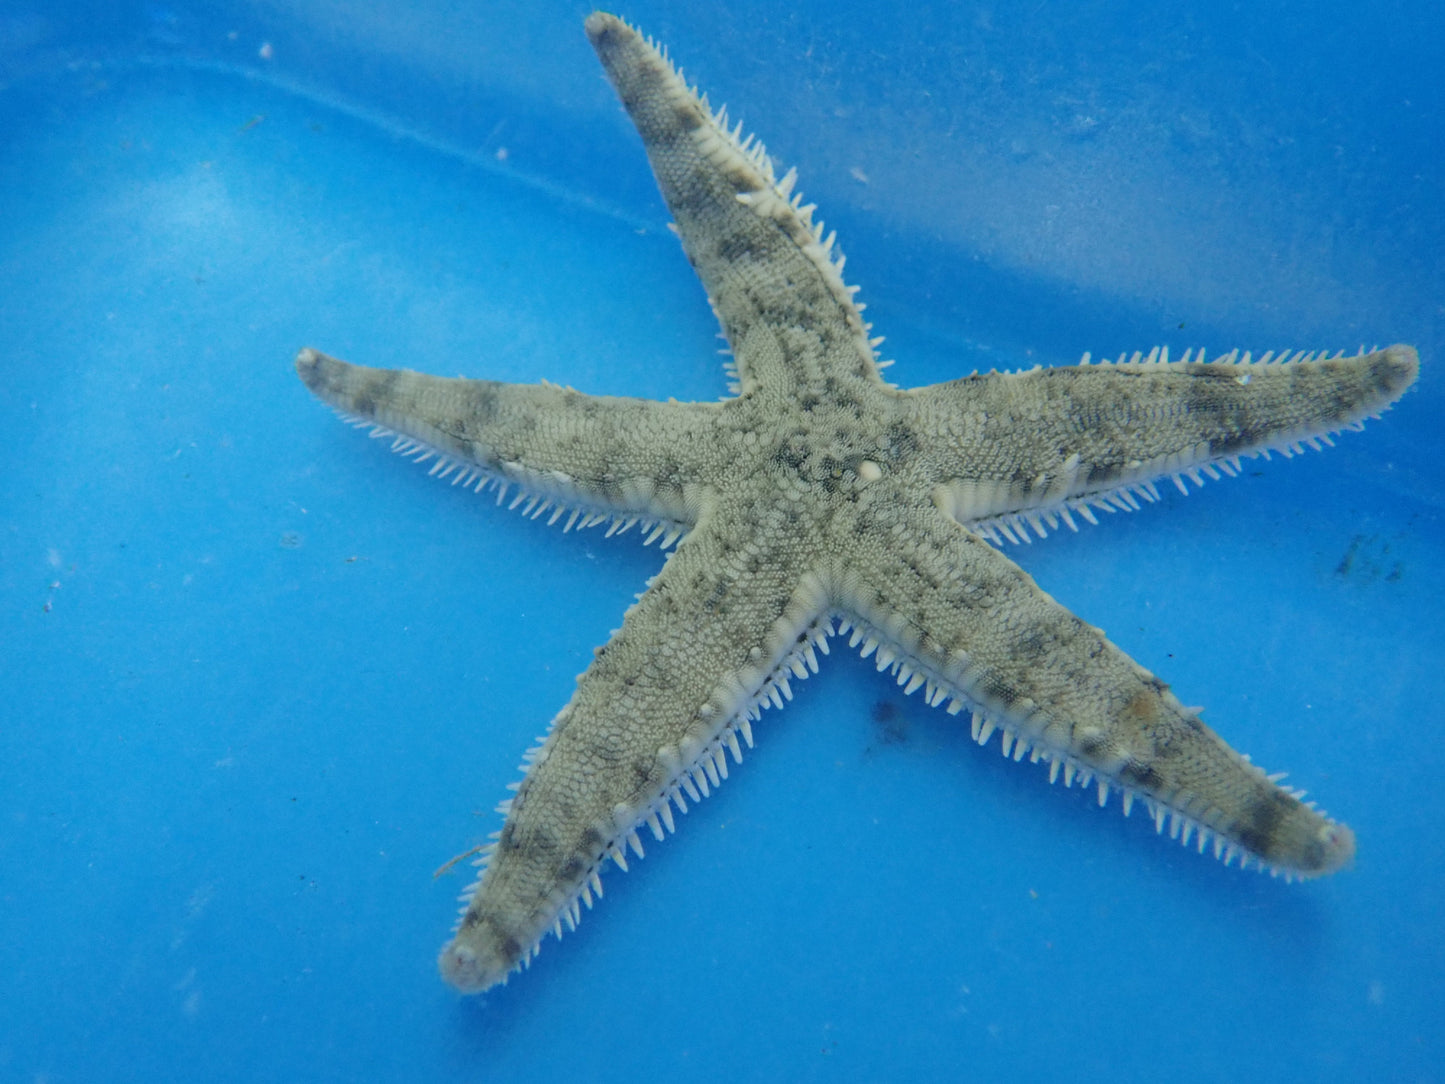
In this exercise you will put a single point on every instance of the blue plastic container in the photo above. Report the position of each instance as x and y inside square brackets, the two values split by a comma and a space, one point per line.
[259, 679]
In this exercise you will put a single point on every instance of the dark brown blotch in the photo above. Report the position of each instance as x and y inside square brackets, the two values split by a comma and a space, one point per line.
[1141, 776]
[1258, 830]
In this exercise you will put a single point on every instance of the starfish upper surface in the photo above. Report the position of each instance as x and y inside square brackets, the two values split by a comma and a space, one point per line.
[820, 499]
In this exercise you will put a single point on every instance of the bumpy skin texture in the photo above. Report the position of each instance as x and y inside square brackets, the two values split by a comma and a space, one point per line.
[820, 498]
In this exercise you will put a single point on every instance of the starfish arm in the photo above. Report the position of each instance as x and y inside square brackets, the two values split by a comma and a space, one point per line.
[1025, 448]
[601, 456]
[957, 614]
[718, 632]
[769, 272]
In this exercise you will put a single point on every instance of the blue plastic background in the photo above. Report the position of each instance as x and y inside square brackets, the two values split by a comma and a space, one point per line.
[258, 679]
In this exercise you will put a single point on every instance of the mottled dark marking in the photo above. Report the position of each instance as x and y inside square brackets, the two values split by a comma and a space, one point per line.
[1031, 644]
[592, 839]
[1258, 827]
[379, 387]
[900, 443]
[574, 868]
[1140, 775]
[736, 247]
[993, 686]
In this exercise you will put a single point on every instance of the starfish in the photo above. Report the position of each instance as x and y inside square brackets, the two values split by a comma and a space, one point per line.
[820, 500]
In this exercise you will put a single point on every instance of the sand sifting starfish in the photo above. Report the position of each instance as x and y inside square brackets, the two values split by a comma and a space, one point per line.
[820, 500]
